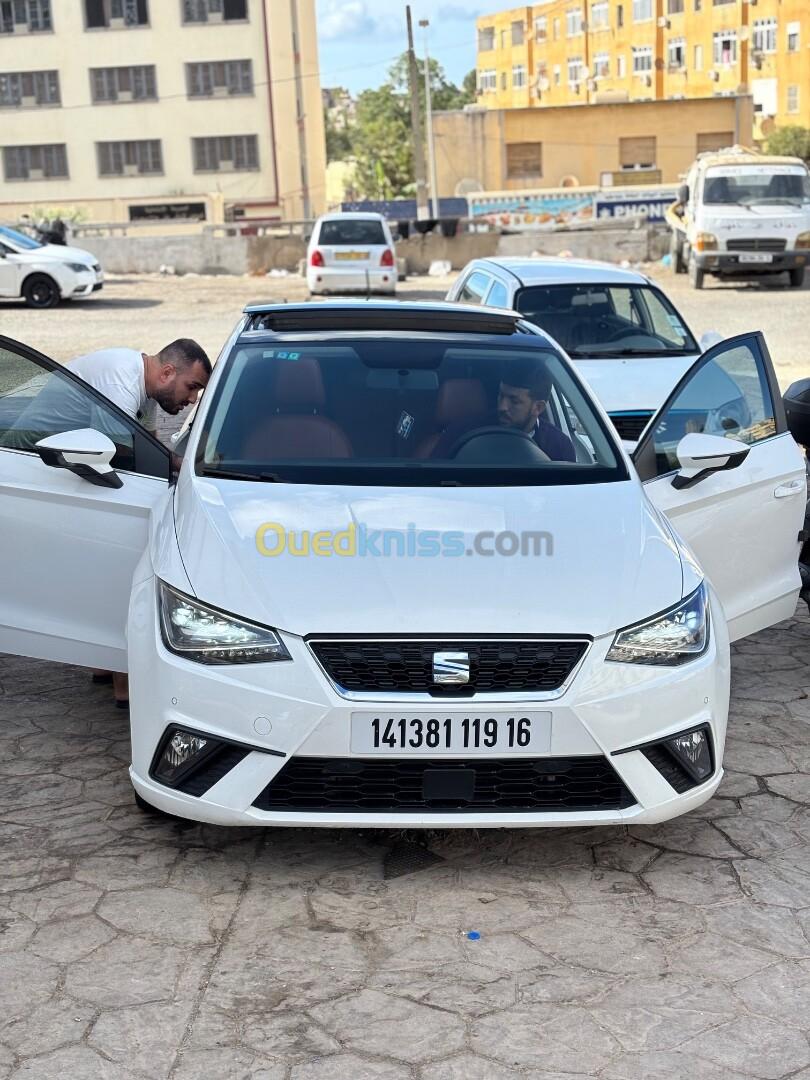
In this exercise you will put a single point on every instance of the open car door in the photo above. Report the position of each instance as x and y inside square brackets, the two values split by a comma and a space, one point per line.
[741, 514]
[71, 537]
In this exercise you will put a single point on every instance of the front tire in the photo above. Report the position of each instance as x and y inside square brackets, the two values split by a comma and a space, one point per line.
[797, 278]
[696, 275]
[41, 291]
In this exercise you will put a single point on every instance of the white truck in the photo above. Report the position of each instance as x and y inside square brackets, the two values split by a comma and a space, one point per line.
[742, 214]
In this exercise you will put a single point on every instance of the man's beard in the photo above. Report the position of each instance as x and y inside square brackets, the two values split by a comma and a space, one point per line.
[166, 401]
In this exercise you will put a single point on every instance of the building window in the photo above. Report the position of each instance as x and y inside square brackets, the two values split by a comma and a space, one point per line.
[486, 39]
[517, 33]
[200, 11]
[621, 66]
[575, 72]
[229, 153]
[518, 76]
[25, 16]
[642, 10]
[226, 78]
[676, 53]
[137, 158]
[557, 74]
[600, 15]
[620, 15]
[540, 28]
[601, 66]
[764, 39]
[711, 141]
[793, 99]
[119, 84]
[25, 89]
[637, 152]
[675, 7]
[698, 62]
[503, 80]
[115, 14]
[725, 46]
[35, 162]
[488, 81]
[524, 161]
[556, 28]
[642, 59]
[719, 3]
[573, 22]
[793, 36]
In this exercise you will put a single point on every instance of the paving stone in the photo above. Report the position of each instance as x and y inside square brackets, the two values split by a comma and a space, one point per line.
[754, 1045]
[768, 928]
[562, 1037]
[688, 836]
[231, 1064]
[774, 883]
[782, 993]
[169, 914]
[469, 1067]
[60, 900]
[143, 1038]
[692, 880]
[70, 939]
[465, 988]
[75, 1062]
[349, 1066]
[667, 1066]
[56, 1023]
[288, 1037]
[26, 981]
[127, 971]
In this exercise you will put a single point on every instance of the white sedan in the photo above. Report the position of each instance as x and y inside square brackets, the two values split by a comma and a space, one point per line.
[44, 274]
[407, 575]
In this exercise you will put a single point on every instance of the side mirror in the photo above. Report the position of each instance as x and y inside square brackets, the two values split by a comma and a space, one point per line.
[683, 194]
[85, 452]
[797, 409]
[709, 340]
[701, 455]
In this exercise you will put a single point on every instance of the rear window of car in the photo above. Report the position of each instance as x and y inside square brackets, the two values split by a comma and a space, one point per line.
[339, 233]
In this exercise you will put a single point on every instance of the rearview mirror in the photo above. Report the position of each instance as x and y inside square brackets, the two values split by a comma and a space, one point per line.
[85, 452]
[701, 455]
[797, 409]
[683, 194]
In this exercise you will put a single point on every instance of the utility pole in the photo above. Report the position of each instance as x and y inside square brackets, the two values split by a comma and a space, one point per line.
[416, 124]
[431, 145]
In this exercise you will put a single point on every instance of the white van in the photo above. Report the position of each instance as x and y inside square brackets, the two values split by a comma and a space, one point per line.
[351, 253]
[742, 214]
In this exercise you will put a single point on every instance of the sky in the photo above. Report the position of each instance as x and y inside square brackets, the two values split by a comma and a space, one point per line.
[359, 39]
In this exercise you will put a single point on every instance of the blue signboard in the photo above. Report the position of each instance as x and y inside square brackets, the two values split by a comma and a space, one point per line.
[634, 204]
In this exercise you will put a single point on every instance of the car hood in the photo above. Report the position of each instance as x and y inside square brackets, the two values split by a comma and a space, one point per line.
[626, 383]
[62, 254]
[610, 562]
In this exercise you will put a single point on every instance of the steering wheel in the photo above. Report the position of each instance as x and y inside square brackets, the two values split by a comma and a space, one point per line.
[624, 332]
[499, 431]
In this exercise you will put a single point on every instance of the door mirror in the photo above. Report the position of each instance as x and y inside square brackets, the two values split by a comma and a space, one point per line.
[709, 340]
[701, 455]
[86, 452]
[683, 194]
[797, 408]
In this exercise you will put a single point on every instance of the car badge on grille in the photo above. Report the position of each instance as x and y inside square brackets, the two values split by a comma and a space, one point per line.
[451, 668]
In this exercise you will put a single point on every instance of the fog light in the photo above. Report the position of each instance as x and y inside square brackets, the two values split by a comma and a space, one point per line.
[694, 753]
[182, 751]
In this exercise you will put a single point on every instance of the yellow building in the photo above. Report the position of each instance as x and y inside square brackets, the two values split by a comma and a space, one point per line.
[132, 110]
[572, 52]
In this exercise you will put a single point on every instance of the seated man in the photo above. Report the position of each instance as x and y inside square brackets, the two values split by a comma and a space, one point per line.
[522, 397]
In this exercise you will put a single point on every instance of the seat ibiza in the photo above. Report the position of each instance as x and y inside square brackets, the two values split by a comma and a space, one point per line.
[407, 575]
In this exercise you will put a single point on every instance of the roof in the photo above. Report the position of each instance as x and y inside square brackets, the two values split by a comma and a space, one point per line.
[355, 215]
[549, 270]
[741, 155]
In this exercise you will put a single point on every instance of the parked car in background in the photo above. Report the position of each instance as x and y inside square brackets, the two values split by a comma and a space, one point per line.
[351, 253]
[623, 333]
[43, 274]
[308, 643]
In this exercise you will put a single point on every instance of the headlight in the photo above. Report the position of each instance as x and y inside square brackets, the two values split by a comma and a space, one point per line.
[79, 268]
[208, 636]
[803, 240]
[705, 241]
[678, 636]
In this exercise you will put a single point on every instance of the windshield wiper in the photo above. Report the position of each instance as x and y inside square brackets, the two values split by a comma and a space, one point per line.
[233, 474]
[595, 352]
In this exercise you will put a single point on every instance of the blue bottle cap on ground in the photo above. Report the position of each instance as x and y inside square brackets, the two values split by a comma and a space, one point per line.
[473, 935]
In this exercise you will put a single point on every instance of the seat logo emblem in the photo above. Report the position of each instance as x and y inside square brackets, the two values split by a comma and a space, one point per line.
[451, 668]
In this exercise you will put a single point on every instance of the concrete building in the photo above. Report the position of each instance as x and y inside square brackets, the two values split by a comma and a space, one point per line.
[138, 110]
[580, 52]
[646, 142]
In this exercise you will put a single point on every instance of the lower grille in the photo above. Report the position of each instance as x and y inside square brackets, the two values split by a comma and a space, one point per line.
[630, 425]
[517, 666]
[757, 243]
[395, 785]
[670, 768]
[212, 770]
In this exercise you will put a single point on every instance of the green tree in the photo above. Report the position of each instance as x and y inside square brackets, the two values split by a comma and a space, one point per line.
[444, 94]
[791, 141]
[381, 144]
[338, 139]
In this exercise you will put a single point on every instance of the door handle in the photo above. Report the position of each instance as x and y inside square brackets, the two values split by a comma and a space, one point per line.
[792, 487]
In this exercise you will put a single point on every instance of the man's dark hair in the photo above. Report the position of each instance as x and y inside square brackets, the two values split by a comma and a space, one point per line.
[527, 373]
[183, 353]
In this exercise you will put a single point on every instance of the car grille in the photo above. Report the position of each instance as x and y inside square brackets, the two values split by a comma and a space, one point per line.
[757, 243]
[360, 785]
[630, 425]
[669, 767]
[212, 770]
[520, 666]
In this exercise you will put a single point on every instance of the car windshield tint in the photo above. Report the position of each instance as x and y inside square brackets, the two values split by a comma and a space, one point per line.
[607, 320]
[758, 186]
[338, 233]
[413, 410]
[18, 239]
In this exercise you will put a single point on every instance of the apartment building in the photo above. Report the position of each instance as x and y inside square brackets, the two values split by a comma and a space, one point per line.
[135, 110]
[579, 52]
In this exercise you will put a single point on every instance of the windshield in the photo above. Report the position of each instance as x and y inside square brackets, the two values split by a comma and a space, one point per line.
[348, 231]
[415, 410]
[607, 320]
[756, 186]
[19, 239]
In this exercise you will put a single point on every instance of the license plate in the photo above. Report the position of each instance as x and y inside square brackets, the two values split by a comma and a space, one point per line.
[351, 256]
[436, 733]
[755, 258]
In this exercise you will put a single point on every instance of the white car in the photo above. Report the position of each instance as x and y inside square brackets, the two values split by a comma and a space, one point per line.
[623, 333]
[364, 603]
[351, 253]
[44, 274]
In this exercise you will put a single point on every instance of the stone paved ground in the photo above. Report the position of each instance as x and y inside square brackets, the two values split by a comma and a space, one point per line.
[131, 946]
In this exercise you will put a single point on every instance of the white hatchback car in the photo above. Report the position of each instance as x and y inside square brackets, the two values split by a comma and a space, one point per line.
[351, 253]
[407, 576]
[44, 274]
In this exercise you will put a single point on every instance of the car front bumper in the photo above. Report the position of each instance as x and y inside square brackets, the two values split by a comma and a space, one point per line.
[284, 712]
[334, 279]
[733, 263]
